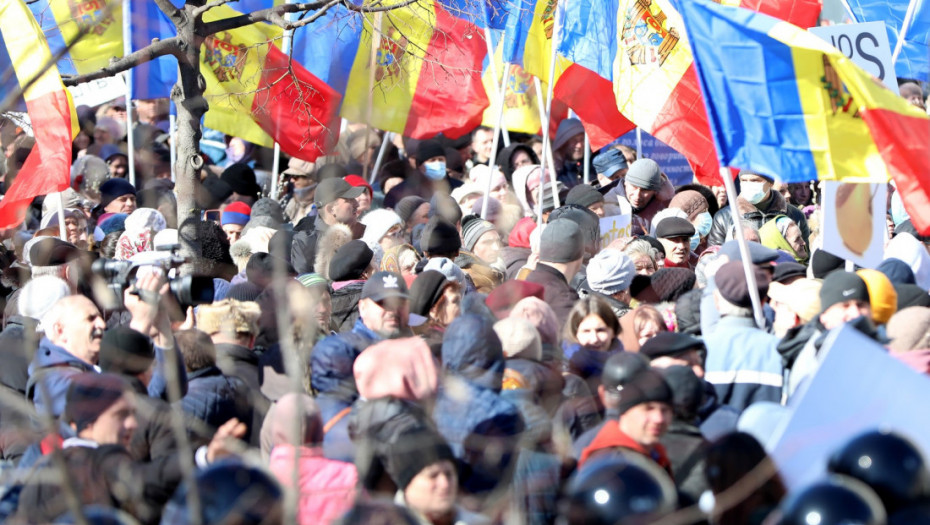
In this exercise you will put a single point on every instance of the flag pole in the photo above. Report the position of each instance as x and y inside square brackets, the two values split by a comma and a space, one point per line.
[639, 142]
[62, 229]
[127, 50]
[902, 34]
[492, 66]
[550, 88]
[587, 158]
[744, 251]
[173, 147]
[385, 140]
[498, 125]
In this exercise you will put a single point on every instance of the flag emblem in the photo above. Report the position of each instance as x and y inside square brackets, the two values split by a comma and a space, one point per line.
[645, 36]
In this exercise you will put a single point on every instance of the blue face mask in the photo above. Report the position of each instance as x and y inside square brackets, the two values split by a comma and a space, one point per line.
[695, 241]
[898, 213]
[703, 223]
[754, 192]
[435, 170]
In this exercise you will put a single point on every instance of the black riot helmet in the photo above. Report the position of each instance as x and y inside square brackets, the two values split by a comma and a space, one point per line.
[617, 488]
[889, 463]
[837, 500]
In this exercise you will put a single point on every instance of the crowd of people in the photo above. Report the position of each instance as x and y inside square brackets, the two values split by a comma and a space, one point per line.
[444, 341]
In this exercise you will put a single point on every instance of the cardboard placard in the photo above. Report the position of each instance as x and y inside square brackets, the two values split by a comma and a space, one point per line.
[853, 222]
[866, 44]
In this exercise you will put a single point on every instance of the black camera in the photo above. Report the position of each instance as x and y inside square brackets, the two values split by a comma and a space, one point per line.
[189, 290]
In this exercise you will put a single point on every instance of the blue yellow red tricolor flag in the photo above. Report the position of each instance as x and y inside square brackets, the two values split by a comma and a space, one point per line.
[48, 167]
[654, 79]
[427, 72]
[256, 93]
[785, 103]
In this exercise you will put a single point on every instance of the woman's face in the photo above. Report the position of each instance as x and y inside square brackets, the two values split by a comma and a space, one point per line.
[432, 492]
[81, 141]
[593, 333]
[794, 238]
[648, 331]
[364, 203]
[644, 264]
[800, 193]
[392, 238]
[449, 307]
[520, 158]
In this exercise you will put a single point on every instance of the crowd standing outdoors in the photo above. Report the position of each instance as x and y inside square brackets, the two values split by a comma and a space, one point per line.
[369, 348]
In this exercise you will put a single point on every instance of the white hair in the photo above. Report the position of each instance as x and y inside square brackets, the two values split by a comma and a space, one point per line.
[728, 309]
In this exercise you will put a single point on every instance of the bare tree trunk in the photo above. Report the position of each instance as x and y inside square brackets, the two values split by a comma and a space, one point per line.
[191, 107]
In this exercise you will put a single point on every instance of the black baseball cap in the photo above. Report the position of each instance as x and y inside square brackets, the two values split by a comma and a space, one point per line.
[384, 285]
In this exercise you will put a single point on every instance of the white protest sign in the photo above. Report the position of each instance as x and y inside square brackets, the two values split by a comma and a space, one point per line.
[858, 387]
[615, 227]
[854, 221]
[866, 44]
[97, 92]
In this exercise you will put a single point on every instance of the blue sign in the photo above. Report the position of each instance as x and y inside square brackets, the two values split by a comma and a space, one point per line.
[673, 164]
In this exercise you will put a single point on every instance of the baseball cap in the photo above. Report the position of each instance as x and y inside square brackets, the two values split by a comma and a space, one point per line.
[384, 285]
[331, 189]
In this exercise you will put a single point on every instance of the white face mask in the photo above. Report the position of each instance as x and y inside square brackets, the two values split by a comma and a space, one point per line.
[754, 192]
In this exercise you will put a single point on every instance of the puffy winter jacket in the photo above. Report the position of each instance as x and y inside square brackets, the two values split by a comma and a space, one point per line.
[776, 206]
[214, 399]
[50, 376]
[326, 487]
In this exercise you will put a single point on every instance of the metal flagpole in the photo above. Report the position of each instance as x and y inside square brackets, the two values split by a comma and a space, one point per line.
[550, 88]
[127, 50]
[385, 140]
[744, 251]
[62, 229]
[587, 158]
[639, 142]
[173, 147]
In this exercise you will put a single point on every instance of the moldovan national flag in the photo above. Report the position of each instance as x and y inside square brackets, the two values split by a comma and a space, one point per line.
[913, 60]
[255, 92]
[584, 35]
[427, 73]
[521, 107]
[101, 22]
[25, 55]
[784, 103]
[654, 80]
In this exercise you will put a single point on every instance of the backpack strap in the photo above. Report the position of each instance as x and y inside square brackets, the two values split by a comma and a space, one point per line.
[336, 419]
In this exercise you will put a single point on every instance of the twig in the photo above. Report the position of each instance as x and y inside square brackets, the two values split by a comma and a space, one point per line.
[168, 46]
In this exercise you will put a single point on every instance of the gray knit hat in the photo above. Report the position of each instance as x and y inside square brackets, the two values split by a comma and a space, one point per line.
[645, 174]
[473, 227]
[610, 272]
[584, 195]
[561, 242]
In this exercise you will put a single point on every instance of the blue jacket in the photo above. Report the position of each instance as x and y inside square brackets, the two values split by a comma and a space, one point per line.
[743, 363]
[214, 399]
[50, 373]
[470, 412]
[333, 383]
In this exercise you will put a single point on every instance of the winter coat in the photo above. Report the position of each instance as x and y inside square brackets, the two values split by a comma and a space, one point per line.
[326, 487]
[514, 259]
[462, 516]
[716, 420]
[16, 427]
[589, 364]
[611, 437]
[103, 475]
[345, 305]
[50, 373]
[776, 205]
[558, 294]
[303, 246]
[804, 339]
[470, 412]
[17, 351]
[686, 448]
[154, 436]
[214, 399]
[579, 412]
[242, 362]
[743, 363]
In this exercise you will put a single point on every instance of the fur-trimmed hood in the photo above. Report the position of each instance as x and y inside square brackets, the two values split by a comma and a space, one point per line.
[331, 240]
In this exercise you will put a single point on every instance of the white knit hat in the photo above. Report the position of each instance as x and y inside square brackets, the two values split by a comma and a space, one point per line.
[378, 223]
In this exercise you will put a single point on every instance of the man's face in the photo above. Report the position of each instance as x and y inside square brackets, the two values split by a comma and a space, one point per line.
[639, 197]
[488, 247]
[345, 210]
[911, 92]
[785, 318]
[844, 312]
[387, 318]
[749, 183]
[574, 148]
[122, 204]
[119, 166]
[597, 208]
[82, 331]
[481, 144]
[116, 425]
[77, 230]
[233, 232]
[419, 216]
[677, 249]
[646, 423]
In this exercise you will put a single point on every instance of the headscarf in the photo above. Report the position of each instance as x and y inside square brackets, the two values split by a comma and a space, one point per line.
[772, 234]
[141, 227]
[391, 260]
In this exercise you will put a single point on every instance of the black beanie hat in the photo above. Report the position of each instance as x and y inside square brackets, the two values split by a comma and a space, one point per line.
[584, 195]
[125, 351]
[413, 451]
[824, 262]
[429, 149]
[426, 290]
[350, 261]
[440, 237]
[241, 178]
[89, 395]
[911, 295]
[113, 189]
[646, 387]
[244, 291]
[841, 286]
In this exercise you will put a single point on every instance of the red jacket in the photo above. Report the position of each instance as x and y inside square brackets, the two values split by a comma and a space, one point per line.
[610, 436]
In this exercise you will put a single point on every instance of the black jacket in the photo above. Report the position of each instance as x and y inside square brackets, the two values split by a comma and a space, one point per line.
[345, 306]
[686, 446]
[239, 361]
[213, 399]
[560, 296]
[154, 437]
[775, 206]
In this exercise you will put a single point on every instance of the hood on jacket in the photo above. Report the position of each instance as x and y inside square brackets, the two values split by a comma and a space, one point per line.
[504, 158]
[472, 350]
[520, 234]
[905, 247]
[331, 366]
[51, 355]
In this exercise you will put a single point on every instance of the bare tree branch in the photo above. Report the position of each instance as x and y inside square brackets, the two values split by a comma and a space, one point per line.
[198, 12]
[169, 46]
[173, 13]
[275, 15]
